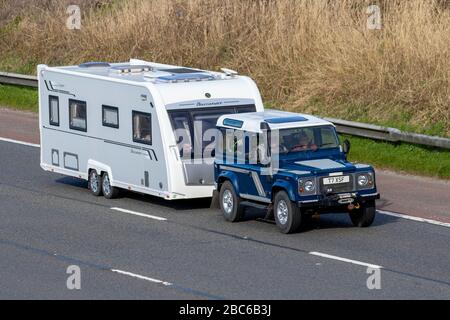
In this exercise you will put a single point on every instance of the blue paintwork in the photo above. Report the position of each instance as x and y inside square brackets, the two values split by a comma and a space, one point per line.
[286, 179]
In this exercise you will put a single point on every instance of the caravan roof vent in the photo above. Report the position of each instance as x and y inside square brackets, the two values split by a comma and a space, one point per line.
[94, 64]
[186, 77]
[181, 70]
[130, 68]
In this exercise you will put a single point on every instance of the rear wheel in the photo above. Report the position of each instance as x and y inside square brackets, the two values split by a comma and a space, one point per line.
[95, 183]
[109, 191]
[364, 216]
[288, 216]
[230, 203]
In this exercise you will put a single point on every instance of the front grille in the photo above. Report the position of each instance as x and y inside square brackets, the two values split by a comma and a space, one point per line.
[337, 188]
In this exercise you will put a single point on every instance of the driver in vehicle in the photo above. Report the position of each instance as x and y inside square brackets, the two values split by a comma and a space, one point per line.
[304, 143]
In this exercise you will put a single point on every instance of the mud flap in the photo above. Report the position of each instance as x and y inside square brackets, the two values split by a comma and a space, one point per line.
[215, 200]
[269, 213]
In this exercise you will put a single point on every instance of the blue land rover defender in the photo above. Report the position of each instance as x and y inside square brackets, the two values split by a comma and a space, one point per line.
[291, 164]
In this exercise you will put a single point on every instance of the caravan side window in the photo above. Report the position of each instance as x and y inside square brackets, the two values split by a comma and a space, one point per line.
[110, 116]
[142, 127]
[77, 115]
[53, 105]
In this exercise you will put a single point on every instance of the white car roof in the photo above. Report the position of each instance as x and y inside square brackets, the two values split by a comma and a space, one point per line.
[275, 119]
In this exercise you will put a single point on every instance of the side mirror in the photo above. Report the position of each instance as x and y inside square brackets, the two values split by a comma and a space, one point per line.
[346, 147]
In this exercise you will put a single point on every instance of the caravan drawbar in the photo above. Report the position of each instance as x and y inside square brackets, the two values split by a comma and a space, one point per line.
[137, 125]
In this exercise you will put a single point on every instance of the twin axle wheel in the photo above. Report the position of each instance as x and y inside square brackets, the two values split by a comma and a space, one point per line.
[288, 216]
[100, 184]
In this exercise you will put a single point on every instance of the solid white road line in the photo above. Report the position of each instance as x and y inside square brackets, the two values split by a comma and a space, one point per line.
[142, 277]
[404, 216]
[329, 256]
[139, 214]
[20, 142]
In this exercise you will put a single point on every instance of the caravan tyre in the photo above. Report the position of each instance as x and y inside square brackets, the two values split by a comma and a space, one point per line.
[109, 191]
[95, 183]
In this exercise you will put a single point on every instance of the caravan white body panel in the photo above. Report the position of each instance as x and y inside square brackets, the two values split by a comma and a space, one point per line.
[77, 103]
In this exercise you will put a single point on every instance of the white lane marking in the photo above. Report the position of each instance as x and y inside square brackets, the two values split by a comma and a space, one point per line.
[20, 142]
[329, 256]
[139, 214]
[165, 283]
[417, 219]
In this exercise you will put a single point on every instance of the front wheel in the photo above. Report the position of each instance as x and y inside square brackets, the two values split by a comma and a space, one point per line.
[364, 216]
[230, 203]
[109, 191]
[288, 216]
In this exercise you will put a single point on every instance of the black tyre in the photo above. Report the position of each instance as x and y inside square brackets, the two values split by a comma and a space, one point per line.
[95, 183]
[364, 216]
[109, 191]
[288, 216]
[230, 203]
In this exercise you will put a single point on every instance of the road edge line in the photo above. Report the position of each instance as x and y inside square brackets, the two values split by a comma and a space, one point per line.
[29, 144]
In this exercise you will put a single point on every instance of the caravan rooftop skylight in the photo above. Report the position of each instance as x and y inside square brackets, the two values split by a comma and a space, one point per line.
[181, 70]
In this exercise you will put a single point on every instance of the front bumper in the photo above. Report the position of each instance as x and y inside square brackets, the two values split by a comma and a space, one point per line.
[341, 200]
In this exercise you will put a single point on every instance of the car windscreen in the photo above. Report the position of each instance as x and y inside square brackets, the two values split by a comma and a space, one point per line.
[307, 139]
[195, 129]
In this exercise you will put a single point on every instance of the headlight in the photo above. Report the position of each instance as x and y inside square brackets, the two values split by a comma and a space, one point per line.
[365, 180]
[309, 186]
[362, 180]
[306, 186]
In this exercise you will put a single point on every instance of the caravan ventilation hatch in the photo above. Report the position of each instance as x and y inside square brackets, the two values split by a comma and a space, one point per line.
[181, 70]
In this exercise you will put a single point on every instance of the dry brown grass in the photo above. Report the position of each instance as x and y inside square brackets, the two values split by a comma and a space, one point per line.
[296, 50]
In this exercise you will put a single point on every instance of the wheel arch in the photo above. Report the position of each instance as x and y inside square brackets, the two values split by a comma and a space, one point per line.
[228, 176]
[283, 186]
[100, 168]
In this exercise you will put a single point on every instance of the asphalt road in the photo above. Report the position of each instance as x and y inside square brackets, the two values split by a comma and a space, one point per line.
[50, 222]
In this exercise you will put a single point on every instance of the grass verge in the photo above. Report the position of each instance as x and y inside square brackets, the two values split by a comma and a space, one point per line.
[403, 157]
[19, 98]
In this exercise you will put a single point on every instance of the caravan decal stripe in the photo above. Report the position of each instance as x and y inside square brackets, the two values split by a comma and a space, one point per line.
[107, 141]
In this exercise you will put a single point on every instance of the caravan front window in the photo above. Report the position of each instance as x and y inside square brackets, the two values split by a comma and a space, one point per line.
[77, 115]
[194, 129]
[142, 127]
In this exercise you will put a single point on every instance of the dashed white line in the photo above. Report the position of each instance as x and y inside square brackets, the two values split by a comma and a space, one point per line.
[329, 256]
[20, 142]
[417, 219]
[139, 214]
[134, 275]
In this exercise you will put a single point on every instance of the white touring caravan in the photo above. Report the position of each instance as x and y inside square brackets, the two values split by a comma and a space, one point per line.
[114, 124]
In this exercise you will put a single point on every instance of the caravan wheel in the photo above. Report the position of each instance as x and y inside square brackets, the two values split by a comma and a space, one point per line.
[109, 191]
[95, 183]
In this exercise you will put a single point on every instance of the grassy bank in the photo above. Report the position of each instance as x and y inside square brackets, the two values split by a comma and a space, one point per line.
[19, 98]
[402, 157]
[313, 56]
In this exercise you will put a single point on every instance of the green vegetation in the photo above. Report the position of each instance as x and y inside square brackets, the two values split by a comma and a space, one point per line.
[394, 116]
[400, 157]
[20, 98]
